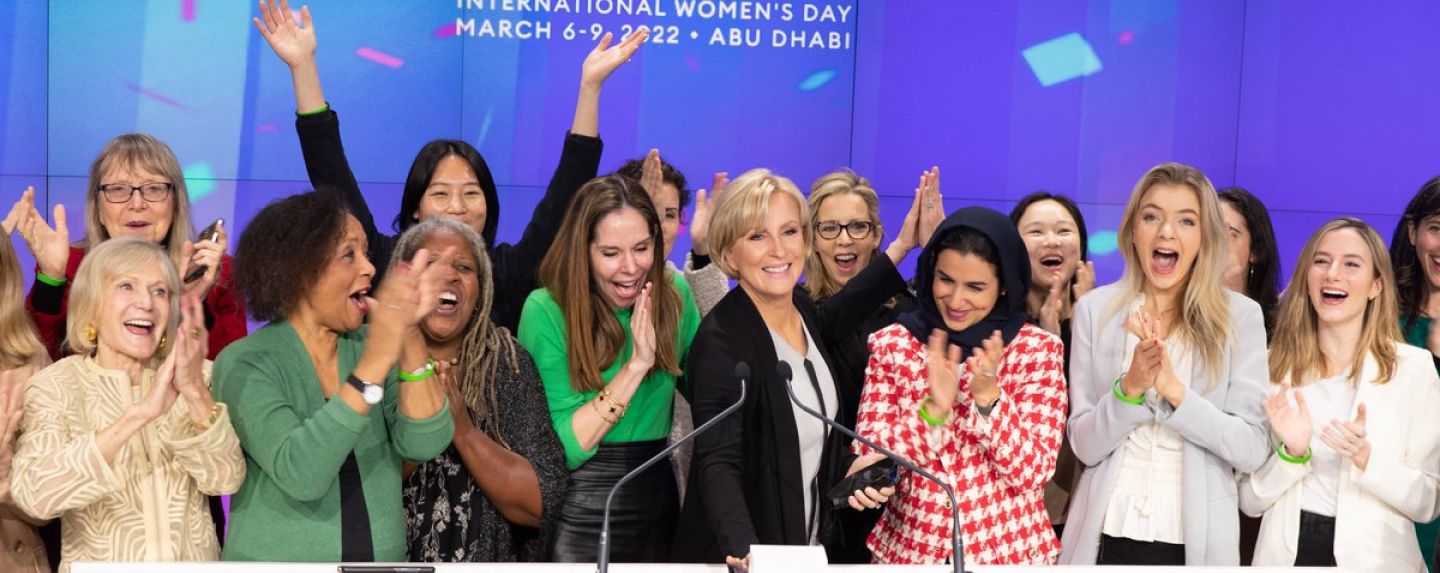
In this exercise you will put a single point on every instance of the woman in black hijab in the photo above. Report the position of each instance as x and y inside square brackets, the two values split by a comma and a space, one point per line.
[966, 388]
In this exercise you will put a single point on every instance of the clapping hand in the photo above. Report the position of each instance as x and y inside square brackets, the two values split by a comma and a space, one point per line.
[700, 221]
[1348, 438]
[50, 245]
[984, 367]
[1290, 423]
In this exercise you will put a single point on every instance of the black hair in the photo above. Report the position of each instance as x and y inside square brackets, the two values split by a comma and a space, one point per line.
[284, 249]
[634, 168]
[422, 170]
[1410, 281]
[969, 241]
[1064, 201]
[1263, 283]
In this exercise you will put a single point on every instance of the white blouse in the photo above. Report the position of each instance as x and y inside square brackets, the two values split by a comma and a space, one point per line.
[1328, 399]
[1146, 502]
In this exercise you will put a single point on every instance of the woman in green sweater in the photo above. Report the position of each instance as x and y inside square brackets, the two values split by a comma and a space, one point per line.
[323, 469]
[1415, 252]
[610, 332]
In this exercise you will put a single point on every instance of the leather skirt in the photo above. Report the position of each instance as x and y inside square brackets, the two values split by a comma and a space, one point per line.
[642, 517]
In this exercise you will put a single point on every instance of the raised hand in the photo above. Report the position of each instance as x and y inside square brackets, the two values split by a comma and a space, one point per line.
[209, 254]
[652, 174]
[1166, 383]
[908, 237]
[868, 498]
[1050, 309]
[49, 245]
[293, 41]
[942, 370]
[604, 59]
[932, 207]
[191, 347]
[642, 331]
[700, 220]
[1290, 423]
[410, 292]
[984, 367]
[1348, 438]
[1149, 355]
[1084, 279]
[163, 394]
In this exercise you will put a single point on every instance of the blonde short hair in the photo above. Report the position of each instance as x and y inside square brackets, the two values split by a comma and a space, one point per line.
[140, 151]
[103, 264]
[743, 207]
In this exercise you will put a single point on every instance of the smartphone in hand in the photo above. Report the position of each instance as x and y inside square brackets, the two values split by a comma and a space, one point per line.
[207, 234]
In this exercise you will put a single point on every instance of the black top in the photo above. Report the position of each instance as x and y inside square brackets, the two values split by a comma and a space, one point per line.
[516, 265]
[745, 484]
[448, 518]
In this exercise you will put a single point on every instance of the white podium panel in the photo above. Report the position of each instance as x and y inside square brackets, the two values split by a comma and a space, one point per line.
[234, 567]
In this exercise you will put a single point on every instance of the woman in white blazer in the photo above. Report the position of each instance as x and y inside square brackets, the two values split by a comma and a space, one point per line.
[1167, 378]
[1354, 412]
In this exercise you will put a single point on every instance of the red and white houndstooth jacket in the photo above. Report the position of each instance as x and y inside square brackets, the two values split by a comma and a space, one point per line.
[998, 464]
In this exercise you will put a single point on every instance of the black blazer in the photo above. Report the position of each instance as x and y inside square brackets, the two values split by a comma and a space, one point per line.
[745, 485]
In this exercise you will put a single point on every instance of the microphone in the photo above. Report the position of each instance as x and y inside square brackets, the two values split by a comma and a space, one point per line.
[602, 562]
[958, 557]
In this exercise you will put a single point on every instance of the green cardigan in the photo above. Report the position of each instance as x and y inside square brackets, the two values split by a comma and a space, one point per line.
[542, 333]
[1418, 335]
[295, 442]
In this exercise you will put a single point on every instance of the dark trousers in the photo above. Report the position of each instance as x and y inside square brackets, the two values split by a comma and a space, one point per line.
[1122, 551]
[1316, 546]
[642, 517]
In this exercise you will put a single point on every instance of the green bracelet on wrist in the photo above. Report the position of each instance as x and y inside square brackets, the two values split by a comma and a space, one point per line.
[1280, 451]
[1120, 393]
[49, 280]
[423, 373]
[306, 113]
[932, 421]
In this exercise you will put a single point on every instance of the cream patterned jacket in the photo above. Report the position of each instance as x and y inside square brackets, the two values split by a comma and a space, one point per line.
[149, 504]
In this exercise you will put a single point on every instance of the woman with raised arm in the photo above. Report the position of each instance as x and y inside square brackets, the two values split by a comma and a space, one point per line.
[448, 177]
[761, 475]
[21, 355]
[495, 493]
[609, 332]
[1056, 241]
[123, 439]
[323, 414]
[136, 189]
[1353, 411]
[1167, 376]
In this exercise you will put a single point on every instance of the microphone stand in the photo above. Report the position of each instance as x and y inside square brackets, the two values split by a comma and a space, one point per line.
[958, 556]
[602, 562]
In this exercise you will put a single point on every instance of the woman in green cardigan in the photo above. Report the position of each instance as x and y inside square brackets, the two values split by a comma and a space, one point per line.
[323, 469]
[1415, 252]
[610, 332]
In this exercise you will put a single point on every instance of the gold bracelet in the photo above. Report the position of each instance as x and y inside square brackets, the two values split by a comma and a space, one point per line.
[209, 421]
[611, 418]
[616, 408]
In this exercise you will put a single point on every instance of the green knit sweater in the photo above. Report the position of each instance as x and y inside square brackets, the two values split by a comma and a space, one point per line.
[295, 442]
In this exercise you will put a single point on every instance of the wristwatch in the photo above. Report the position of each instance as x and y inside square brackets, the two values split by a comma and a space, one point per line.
[371, 393]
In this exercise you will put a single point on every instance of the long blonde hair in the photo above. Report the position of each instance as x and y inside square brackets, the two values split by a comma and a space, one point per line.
[141, 151]
[840, 182]
[1204, 318]
[19, 344]
[1295, 349]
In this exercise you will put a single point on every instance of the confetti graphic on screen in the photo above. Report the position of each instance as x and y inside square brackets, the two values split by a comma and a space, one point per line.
[817, 80]
[447, 31]
[1102, 243]
[199, 180]
[154, 95]
[187, 11]
[1061, 59]
[380, 57]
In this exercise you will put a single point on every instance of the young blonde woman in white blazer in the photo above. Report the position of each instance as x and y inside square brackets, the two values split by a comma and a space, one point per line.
[1356, 416]
[1167, 378]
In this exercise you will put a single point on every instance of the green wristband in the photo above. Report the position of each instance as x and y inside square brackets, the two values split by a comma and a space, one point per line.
[323, 109]
[932, 421]
[420, 374]
[49, 280]
[1135, 401]
[1280, 451]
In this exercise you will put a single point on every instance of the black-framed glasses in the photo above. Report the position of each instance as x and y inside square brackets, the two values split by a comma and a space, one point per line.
[150, 192]
[858, 229]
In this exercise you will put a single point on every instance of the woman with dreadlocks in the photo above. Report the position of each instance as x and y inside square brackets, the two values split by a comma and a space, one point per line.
[494, 493]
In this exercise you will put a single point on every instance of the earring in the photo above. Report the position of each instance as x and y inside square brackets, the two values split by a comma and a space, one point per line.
[163, 339]
[90, 335]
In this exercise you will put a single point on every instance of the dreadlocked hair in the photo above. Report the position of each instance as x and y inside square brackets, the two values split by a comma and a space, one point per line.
[488, 350]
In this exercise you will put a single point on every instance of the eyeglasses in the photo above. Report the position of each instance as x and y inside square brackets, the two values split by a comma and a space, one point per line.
[150, 192]
[857, 230]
